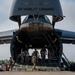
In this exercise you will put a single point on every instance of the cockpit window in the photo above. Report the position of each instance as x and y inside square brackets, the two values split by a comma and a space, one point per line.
[47, 19]
[42, 17]
[36, 16]
[30, 16]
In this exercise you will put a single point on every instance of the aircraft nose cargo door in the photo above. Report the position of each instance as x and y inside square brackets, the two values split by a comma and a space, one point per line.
[36, 7]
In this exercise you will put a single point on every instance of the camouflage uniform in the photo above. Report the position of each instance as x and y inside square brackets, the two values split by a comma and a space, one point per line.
[35, 57]
[11, 63]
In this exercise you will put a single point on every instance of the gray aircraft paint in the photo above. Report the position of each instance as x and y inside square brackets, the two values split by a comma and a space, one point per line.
[35, 7]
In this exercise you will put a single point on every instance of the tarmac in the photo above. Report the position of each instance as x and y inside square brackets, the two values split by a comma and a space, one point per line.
[37, 73]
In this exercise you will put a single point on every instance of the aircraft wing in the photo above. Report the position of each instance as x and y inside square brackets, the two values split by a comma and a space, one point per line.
[67, 37]
[6, 36]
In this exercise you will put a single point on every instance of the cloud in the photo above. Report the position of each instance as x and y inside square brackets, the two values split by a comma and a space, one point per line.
[4, 51]
[69, 51]
[5, 8]
[68, 23]
[5, 23]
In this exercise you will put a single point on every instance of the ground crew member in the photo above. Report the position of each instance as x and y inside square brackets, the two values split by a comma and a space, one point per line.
[35, 57]
[36, 53]
[27, 56]
[43, 54]
[50, 53]
[22, 56]
[11, 63]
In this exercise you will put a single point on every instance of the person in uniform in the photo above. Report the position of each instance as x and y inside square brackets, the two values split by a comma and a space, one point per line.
[55, 45]
[35, 57]
[50, 53]
[27, 56]
[11, 63]
[43, 54]
[22, 56]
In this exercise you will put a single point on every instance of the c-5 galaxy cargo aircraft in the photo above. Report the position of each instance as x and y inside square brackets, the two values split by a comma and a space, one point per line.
[37, 31]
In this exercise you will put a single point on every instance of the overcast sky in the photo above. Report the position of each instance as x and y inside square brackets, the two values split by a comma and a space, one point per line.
[68, 7]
